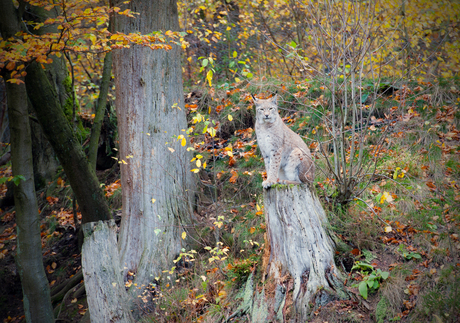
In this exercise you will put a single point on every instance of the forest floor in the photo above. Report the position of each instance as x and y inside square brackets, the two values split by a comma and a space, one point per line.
[402, 232]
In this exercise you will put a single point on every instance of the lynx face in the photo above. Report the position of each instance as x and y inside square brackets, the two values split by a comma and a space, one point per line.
[266, 110]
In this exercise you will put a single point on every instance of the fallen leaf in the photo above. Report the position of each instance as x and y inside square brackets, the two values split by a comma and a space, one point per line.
[234, 176]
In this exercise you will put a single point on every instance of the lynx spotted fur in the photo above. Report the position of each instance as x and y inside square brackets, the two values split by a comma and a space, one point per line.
[286, 156]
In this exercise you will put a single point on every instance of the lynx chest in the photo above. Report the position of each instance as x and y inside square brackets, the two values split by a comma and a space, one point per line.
[268, 139]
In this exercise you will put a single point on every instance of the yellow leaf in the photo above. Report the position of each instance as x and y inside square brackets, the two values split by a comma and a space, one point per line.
[93, 116]
[184, 235]
[229, 153]
[237, 79]
[257, 207]
[198, 163]
[386, 197]
[183, 142]
[388, 229]
[230, 118]
[195, 170]
[153, 200]
[93, 38]
[171, 149]
[209, 77]
[204, 165]
[212, 132]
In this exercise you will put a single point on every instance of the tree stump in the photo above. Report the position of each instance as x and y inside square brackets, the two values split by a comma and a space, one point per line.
[106, 295]
[301, 247]
[301, 259]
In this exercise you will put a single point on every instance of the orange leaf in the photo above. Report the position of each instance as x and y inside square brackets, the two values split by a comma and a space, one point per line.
[252, 230]
[231, 161]
[355, 252]
[10, 66]
[431, 186]
[234, 176]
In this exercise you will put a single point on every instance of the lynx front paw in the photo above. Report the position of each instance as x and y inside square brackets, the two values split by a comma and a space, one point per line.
[268, 183]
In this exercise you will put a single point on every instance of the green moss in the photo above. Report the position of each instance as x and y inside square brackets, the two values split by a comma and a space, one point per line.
[382, 310]
[68, 105]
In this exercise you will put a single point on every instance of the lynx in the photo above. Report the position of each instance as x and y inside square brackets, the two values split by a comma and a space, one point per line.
[286, 156]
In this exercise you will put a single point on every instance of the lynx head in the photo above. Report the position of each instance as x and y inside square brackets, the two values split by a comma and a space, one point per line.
[266, 110]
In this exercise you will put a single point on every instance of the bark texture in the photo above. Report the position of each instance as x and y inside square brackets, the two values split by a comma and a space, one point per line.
[301, 269]
[36, 292]
[155, 181]
[105, 290]
[44, 157]
[301, 246]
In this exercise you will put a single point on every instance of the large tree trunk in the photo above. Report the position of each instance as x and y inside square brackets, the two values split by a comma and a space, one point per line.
[155, 181]
[301, 267]
[36, 292]
[107, 298]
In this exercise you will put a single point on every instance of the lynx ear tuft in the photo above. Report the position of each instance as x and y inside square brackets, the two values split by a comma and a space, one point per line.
[254, 98]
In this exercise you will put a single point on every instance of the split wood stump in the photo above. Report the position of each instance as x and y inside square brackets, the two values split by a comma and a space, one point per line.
[301, 270]
[107, 299]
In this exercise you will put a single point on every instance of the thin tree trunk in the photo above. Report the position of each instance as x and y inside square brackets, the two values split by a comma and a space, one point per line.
[37, 301]
[36, 292]
[83, 180]
[156, 181]
[100, 109]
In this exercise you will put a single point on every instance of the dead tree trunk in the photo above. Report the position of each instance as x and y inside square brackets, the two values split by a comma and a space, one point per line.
[301, 247]
[106, 295]
[301, 270]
